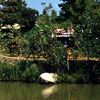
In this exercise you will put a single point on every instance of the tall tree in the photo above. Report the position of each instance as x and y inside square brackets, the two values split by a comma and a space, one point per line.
[86, 18]
[15, 11]
[48, 14]
[41, 43]
[87, 35]
[72, 9]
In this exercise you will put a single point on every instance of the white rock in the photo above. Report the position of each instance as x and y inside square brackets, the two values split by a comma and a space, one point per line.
[49, 77]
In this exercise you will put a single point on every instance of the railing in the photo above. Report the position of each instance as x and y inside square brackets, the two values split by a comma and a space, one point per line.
[67, 35]
[41, 58]
[62, 35]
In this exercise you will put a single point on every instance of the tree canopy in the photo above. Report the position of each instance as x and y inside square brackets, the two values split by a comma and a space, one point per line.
[87, 35]
[41, 40]
[85, 17]
[48, 15]
[15, 11]
[72, 9]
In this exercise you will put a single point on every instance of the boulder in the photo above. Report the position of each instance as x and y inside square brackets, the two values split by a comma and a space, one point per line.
[48, 77]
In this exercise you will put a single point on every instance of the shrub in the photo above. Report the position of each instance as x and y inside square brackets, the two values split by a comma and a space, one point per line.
[31, 73]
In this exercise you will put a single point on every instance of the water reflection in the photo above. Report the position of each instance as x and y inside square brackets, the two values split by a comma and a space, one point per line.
[23, 91]
[49, 91]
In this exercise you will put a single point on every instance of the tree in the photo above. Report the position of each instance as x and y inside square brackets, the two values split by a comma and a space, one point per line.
[42, 44]
[72, 9]
[53, 16]
[87, 35]
[85, 16]
[43, 4]
[15, 11]
[48, 13]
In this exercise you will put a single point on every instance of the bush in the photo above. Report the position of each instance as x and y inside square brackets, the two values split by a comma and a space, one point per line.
[73, 78]
[31, 73]
[18, 72]
[66, 78]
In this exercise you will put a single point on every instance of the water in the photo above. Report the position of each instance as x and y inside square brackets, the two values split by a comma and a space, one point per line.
[26, 91]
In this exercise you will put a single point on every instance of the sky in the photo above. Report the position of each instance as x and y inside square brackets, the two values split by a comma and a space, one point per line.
[36, 4]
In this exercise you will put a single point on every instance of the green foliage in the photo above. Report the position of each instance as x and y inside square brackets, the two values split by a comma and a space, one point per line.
[30, 71]
[74, 78]
[37, 41]
[82, 14]
[72, 9]
[87, 33]
[96, 71]
[49, 15]
[15, 11]
[8, 40]
[9, 72]
[81, 77]
[14, 42]
[31, 74]
[62, 78]
[19, 72]
[43, 44]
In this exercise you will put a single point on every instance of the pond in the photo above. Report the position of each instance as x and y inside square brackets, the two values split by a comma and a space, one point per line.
[27, 91]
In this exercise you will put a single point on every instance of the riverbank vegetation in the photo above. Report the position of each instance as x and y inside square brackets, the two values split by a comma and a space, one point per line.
[34, 38]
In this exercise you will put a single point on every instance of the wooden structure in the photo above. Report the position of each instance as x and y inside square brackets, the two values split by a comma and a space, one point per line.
[32, 57]
[64, 38]
[62, 35]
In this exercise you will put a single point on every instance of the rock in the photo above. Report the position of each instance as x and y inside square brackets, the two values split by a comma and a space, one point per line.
[48, 77]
